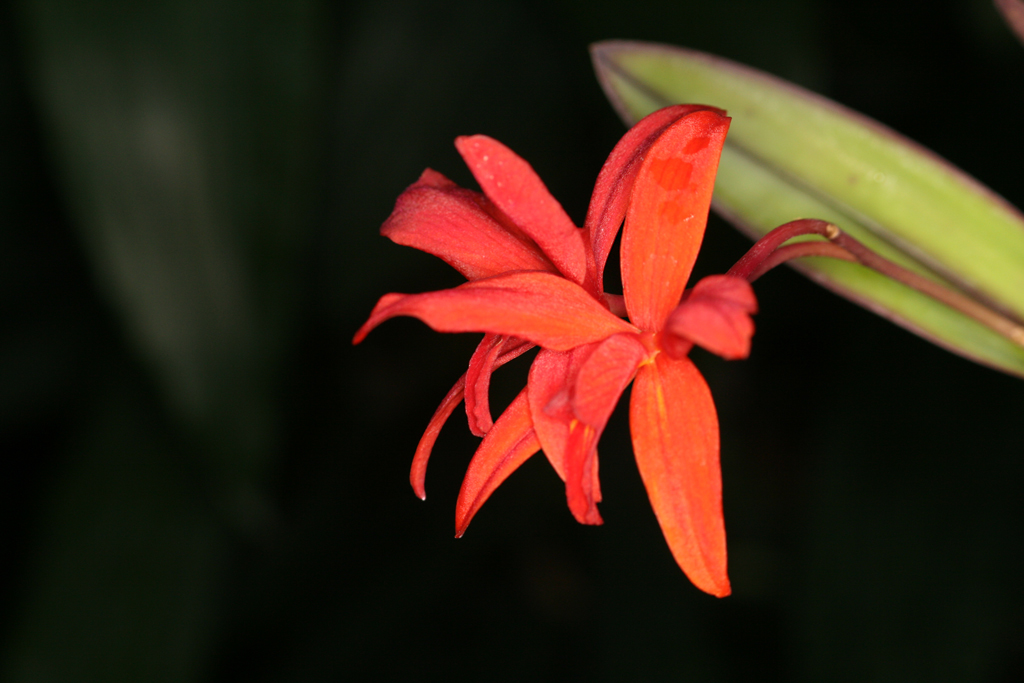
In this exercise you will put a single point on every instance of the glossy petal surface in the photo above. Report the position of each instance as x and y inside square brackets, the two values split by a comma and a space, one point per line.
[675, 438]
[667, 214]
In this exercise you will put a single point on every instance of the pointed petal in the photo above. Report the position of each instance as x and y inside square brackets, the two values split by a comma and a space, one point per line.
[675, 438]
[715, 315]
[548, 388]
[603, 376]
[540, 307]
[417, 475]
[437, 216]
[507, 446]
[478, 379]
[615, 182]
[582, 491]
[572, 394]
[515, 188]
[597, 386]
[667, 214]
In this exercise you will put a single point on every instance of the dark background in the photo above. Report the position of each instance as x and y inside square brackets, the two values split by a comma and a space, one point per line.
[204, 481]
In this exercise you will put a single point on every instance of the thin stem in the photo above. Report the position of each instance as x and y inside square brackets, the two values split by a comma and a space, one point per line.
[763, 248]
[955, 300]
[798, 250]
[768, 252]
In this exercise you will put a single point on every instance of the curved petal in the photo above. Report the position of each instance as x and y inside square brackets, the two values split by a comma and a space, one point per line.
[437, 216]
[515, 188]
[549, 387]
[418, 473]
[596, 388]
[545, 309]
[615, 181]
[675, 438]
[478, 380]
[508, 445]
[493, 351]
[715, 315]
[667, 213]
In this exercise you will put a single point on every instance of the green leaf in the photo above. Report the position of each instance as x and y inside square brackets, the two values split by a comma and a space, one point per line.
[794, 154]
[181, 134]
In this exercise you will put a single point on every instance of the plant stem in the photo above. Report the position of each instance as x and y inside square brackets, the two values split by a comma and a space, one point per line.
[769, 252]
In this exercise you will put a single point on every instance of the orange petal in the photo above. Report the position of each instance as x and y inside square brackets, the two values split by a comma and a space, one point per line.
[667, 213]
[478, 380]
[597, 386]
[437, 216]
[714, 315]
[545, 309]
[515, 188]
[549, 388]
[615, 181]
[493, 352]
[507, 446]
[418, 473]
[512, 348]
[675, 438]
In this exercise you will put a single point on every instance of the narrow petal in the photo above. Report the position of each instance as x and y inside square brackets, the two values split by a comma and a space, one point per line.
[545, 309]
[418, 474]
[603, 376]
[437, 216]
[582, 486]
[667, 213]
[549, 387]
[675, 438]
[715, 315]
[515, 188]
[597, 386]
[615, 182]
[508, 445]
[478, 378]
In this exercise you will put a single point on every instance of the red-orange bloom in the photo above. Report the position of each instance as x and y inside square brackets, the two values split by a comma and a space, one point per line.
[536, 279]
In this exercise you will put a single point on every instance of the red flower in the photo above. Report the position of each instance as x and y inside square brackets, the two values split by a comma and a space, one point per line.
[536, 279]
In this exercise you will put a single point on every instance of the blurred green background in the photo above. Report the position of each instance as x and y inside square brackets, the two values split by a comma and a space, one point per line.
[204, 481]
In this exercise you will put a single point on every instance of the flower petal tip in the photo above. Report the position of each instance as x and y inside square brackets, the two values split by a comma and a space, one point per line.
[721, 591]
[716, 316]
